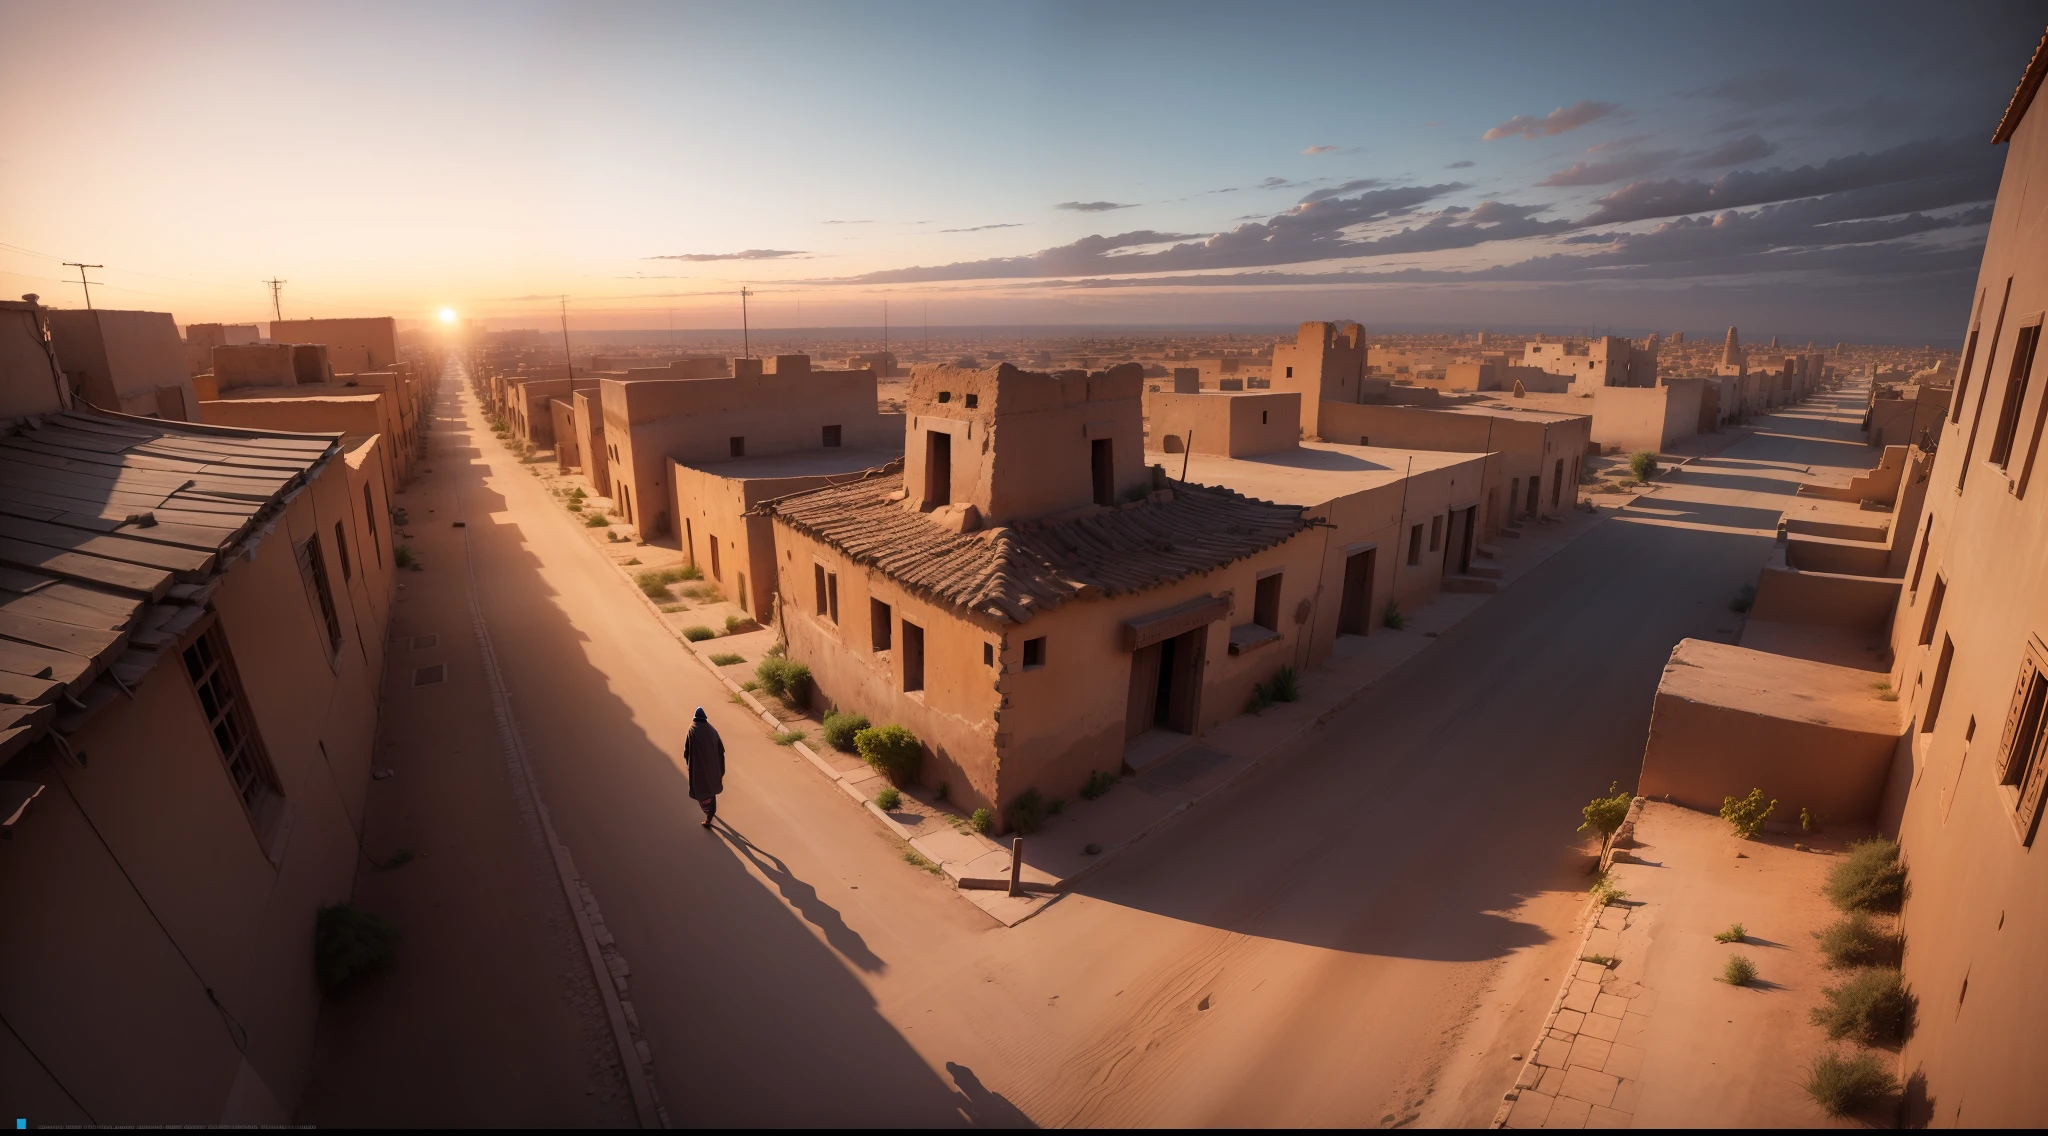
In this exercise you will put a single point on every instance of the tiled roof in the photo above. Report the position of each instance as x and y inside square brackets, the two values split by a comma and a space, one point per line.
[2023, 95]
[114, 532]
[1011, 572]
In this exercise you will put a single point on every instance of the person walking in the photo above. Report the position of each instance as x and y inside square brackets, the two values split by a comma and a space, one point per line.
[704, 755]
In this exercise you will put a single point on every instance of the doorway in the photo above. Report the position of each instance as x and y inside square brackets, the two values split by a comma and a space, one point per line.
[1465, 540]
[1354, 611]
[938, 469]
[1166, 682]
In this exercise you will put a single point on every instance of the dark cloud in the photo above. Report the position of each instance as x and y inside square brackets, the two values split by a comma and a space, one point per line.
[1603, 171]
[743, 254]
[1090, 206]
[1974, 164]
[1352, 186]
[1748, 148]
[983, 228]
[1757, 88]
[1465, 165]
[1560, 121]
[1311, 231]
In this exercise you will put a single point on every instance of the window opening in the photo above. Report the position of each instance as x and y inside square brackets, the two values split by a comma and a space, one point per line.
[1034, 652]
[831, 437]
[1102, 463]
[313, 571]
[212, 671]
[913, 656]
[1927, 625]
[1414, 546]
[348, 571]
[938, 468]
[878, 624]
[1940, 687]
[1266, 602]
[2015, 396]
[738, 445]
[2024, 749]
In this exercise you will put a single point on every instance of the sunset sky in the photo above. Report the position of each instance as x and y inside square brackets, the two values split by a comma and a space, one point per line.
[1798, 168]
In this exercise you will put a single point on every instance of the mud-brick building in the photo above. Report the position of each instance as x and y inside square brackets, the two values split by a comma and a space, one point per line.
[1026, 594]
[192, 639]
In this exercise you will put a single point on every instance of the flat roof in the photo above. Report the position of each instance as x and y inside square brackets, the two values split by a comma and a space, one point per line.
[300, 390]
[801, 463]
[1487, 403]
[1311, 474]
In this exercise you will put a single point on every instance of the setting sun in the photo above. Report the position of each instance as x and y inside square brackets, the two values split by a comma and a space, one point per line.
[447, 315]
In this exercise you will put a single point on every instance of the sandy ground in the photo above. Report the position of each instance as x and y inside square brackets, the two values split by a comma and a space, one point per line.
[1362, 933]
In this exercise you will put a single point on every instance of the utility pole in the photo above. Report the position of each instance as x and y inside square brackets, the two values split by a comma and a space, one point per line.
[885, 340]
[746, 332]
[276, 309]
[82, 281]
[568, 360]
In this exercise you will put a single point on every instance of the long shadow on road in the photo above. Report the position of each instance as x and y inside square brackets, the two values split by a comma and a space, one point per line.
[1448, 793]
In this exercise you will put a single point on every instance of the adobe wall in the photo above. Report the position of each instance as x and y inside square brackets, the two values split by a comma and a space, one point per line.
[710, 506]
[358, 344]
[693, 420]
[588, 408]
[1233, 425]
[1978, 911]
[122, 1021]
[351, 415]
[131, 362]
[1327, 362]
[1699, 754]
[1787, 594]
[1638, 418]
[29, 382]
[1549, 448]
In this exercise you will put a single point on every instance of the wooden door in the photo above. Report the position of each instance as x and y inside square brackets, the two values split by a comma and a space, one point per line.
[1354, 610]
[1144, 700]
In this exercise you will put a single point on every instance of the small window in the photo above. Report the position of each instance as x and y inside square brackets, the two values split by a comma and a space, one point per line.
[1933, 617]
[878, 624]
[831, 437]
[1955, 413]
[832, 596]
[2023, 752]
[818, 586]
[739, 446]
[945, 396]
[1266, 602]
[973, 400]
[1363, 440]
[370, 517]
[1262, 418]
[988, 650]
[1920, 561]
[341, 549]
[1290, 372]
[1034, 652]
[712, 541]
[212, 671]
[1415, 545]
[1102, 465]
[913, 656]
[1940, 687]
[313, 572]
[1436, 533]
[2015, 396]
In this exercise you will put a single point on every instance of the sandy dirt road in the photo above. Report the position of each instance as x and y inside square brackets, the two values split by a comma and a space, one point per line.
[1360, 934]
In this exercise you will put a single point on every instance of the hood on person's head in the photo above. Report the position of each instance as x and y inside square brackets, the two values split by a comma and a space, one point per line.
[700, 713]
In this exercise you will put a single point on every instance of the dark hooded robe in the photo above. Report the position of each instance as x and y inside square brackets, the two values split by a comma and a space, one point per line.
[704, 754]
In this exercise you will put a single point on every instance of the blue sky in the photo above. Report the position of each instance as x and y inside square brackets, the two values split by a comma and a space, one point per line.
[1455, 165]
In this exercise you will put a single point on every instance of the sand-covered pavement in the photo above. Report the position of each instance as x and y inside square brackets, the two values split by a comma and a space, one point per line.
[1361, 932]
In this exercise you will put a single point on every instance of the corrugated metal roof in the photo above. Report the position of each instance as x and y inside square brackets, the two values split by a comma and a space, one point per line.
[1009, 573]
[114, 532]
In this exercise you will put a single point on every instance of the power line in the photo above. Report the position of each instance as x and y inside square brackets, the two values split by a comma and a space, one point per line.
[276, 308]
[82, 281]
[568, 358]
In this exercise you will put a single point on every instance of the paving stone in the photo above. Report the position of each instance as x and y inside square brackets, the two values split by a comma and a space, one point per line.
[1623, 989]
[1604, 1117]
[1627, 1095]
[1570, 1021]
[1530, 1111]
[1624, 1061]
[1589, 1085]
[1610, 1005]
[1603, 942]
[1644, 1003]
[1601, 1026]
[1635, 1028]
[1589, 1051]
[1567, 1113]
[1553, 1052]
[1581, 996]
[1613, 918]
[1532, 1077]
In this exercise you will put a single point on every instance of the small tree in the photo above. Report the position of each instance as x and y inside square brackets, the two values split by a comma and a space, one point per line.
[891, 751]
[1643, 464]
[1605, 814]
[1747, 814]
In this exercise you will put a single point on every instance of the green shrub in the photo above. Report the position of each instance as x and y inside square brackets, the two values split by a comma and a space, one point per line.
[1872, 1007]
[784, 678]
[1098, 783]
[982, 820]
[891, 751]
[1605, 814]
[632, 562]
[1257, 701]
[1285, 685]
[911, 857]
[840, 727]
[1869, 878]
[699, 633]
[726, 659]
[1735, 933]
[1608, 962]
[1392, 616]
[1026, 813]
[942, 791]
[788, 737]
[596, 521]
[1747, 814]
[1842, 1085]
[688, 572]
[575, 506]
[1605, 893]
[402, 556]
[734, 622]
[1811, 821]
[1738, 971]
[578, 494]
[652, 584]
[671, 608]
[349, 943]
[1745, 598]
[1853, 941]
[1643, 464]
[889, 799]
